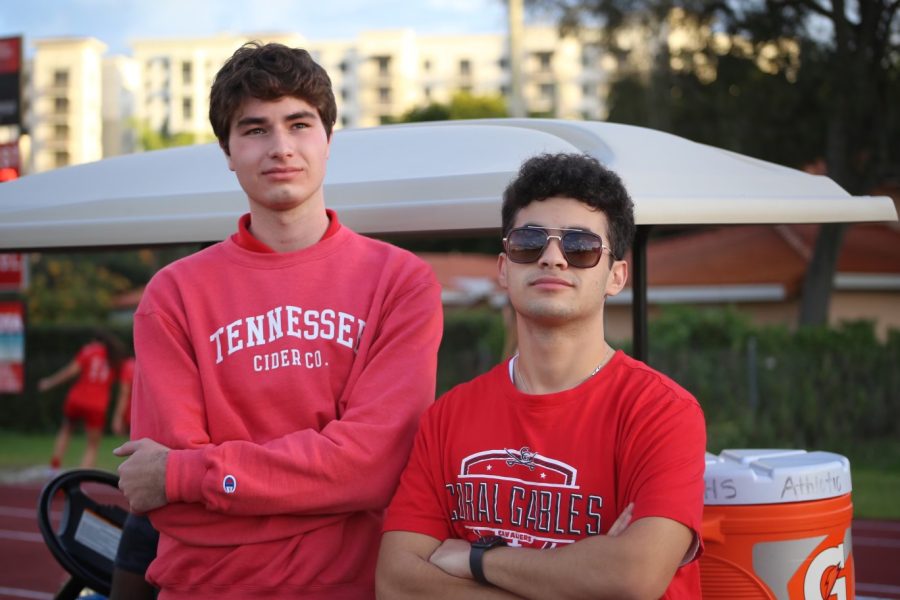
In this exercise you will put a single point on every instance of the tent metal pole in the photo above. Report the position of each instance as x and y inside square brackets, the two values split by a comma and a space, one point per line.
[639, 292]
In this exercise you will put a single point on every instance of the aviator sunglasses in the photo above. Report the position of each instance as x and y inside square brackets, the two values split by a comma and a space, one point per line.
[581, 249]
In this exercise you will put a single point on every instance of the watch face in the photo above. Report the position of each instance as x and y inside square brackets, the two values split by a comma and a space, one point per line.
[489, 541]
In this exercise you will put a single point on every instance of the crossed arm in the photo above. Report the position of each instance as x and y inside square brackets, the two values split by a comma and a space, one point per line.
[634, 562]
[372, 436]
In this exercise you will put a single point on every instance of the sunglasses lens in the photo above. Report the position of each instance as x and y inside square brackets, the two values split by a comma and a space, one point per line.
[525, 245]
[582, 250]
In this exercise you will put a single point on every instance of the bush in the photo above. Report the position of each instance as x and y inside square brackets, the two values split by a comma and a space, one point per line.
[472, 344]
[766, 386]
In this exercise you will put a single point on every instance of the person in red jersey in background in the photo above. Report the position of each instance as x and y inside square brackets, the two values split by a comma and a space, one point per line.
[570, 470]
[280, 373]
[121, 419]
[94, 367]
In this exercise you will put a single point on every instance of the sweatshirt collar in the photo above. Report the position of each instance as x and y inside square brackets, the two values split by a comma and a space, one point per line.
[243, 238]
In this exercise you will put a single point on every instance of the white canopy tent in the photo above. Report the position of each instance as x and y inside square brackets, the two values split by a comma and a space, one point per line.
[415, 178]
[421, 178]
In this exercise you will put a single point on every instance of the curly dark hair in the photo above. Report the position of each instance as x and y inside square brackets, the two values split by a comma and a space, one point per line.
[268, 72]
[577, 176]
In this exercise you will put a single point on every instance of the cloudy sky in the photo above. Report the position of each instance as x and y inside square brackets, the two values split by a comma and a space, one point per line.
[116, 22]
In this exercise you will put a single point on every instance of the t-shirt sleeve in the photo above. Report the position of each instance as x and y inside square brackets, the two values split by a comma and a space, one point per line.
[663, 460]
[418, 504]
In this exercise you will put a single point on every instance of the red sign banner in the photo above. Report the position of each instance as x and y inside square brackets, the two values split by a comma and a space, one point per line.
[10, 55]
[13, 272]
[12, 347]
[10, 81]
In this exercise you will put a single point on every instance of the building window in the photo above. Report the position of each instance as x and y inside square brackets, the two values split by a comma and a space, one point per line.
[345, 122]
[187, 72]
[61, 106]
[342, 66]
[61, 158]
[427, 65]
[427, 92]
[61, 132]
[187, 108]
[504, 90]
[589, 90]
[384, 95]
[548, 91]
[544, 59]
[465, 67]
[503, 63]
[345, 94]
[586, 58]
[61, 78]
[384, 64]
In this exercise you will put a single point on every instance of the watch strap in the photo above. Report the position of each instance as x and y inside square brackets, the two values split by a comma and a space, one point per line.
[476, 556]
[476, 564]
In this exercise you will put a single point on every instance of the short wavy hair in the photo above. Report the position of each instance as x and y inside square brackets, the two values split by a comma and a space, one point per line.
[577, 176]
[268, 72]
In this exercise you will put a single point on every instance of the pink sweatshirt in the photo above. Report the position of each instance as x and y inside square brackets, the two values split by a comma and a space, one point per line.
[291, 386]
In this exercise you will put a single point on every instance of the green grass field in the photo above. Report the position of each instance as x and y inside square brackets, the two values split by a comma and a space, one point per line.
[874, 467]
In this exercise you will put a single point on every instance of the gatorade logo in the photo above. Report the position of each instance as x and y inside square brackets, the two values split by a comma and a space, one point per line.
[229, 484]
[825, 576]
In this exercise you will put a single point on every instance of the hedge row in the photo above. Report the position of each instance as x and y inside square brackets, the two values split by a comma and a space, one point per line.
[759, 386]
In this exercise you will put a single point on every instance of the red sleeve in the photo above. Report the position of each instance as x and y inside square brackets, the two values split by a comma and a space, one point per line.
[662, 460]
[418, 505]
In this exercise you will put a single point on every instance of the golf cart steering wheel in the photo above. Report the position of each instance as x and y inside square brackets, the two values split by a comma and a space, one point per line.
[87, 538]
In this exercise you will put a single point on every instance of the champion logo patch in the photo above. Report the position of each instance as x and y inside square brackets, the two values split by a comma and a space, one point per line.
[229, 484]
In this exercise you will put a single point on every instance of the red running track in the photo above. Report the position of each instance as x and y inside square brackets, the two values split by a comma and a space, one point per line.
[29, 571]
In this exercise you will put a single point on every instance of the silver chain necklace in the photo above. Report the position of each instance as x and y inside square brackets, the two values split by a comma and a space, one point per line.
[522, 384]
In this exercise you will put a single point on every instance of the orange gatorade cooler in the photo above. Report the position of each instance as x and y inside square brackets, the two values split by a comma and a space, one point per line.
[776, 525]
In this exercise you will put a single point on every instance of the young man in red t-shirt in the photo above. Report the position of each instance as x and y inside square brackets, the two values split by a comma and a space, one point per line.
[522, 480]
[280, 373]
[87, 399]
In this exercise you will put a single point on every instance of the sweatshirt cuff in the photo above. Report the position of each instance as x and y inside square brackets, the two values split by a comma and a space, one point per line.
[185, 472]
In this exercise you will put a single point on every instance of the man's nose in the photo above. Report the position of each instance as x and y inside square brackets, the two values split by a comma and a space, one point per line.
[281, 144]
[553, 252]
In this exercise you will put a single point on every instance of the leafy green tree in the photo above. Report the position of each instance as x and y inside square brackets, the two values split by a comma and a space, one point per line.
[432, 112]
[463, 105]
[67, 289]
[80, 288]
[830, 91]
[152, 139]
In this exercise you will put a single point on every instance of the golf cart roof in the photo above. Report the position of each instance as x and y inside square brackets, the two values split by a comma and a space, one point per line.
[430, 177]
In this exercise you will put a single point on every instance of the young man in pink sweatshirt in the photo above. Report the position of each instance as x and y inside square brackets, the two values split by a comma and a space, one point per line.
[281, 373]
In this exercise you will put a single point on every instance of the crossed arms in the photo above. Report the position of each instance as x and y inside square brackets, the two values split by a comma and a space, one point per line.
[632, 561]
[372, 435]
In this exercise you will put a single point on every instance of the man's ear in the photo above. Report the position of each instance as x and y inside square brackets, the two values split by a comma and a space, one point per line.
[501, 270]
[618, 276]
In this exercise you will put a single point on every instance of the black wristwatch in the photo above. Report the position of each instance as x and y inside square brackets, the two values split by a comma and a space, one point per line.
[479, 547]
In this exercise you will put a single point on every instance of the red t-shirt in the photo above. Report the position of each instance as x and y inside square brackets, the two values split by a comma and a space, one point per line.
[547, 470]
[91, 390]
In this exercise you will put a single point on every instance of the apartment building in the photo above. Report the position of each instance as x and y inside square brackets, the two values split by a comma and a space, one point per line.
[65, 102]
[85, 106]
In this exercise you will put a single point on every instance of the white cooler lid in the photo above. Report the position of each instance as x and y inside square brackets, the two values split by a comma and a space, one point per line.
[773, 476]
